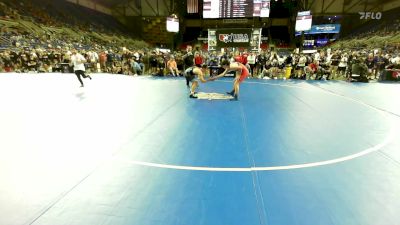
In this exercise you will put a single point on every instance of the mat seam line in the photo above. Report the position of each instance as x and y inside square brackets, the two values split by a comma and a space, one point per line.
[63, 195]
[396, 162]
[140, 132]
[254, 174]
[88, 175]
[356, 100]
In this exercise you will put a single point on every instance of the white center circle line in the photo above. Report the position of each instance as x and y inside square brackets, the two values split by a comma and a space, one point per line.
[364, 152]
[267, 168]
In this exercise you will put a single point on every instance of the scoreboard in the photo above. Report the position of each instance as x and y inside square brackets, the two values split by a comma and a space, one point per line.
[235, 8]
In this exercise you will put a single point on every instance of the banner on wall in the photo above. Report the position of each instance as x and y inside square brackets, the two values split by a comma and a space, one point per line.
[325, 29]
[233, 37]
[212, 40]
[322, 29]
[321, 42]
[249, 39]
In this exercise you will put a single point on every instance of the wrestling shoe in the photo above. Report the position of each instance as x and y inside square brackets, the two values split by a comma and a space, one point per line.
[230, 93]
[235, 98]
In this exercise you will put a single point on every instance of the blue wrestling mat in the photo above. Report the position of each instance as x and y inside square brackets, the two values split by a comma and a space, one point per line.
[138, 151]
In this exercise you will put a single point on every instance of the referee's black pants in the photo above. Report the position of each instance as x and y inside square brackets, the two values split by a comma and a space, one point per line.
[80, 73]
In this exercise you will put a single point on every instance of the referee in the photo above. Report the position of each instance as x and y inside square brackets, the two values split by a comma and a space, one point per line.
[79, 67]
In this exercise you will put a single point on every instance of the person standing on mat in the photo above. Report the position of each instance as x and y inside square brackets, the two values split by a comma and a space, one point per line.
[241, 72]
[191, 73]
[188, 60]
[77, 60]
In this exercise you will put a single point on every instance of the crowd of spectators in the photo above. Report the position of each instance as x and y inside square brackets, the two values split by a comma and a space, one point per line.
[382, 28]
[46, 46]
[51, 52]
[59, 13]
[269, 64]
[351, 65]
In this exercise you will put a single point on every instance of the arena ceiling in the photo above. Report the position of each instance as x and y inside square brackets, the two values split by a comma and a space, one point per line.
[139, 7]
[114, 3]
[343, 7]
[110, 3]
[318, 7]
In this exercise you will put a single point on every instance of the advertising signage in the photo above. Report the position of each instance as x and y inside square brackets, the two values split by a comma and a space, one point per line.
[172, 24]
[303, 23]
[233, 37]
[304, 13]
[322, 42]
[323, 29]
[235, 8]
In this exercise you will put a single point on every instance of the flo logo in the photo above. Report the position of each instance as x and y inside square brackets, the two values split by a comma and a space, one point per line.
[370, 15]
[235, 38]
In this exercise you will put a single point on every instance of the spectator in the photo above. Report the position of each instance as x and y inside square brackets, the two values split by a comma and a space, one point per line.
[359, 71]
[153, 63]
[172, 67]
[369, 61]
[188, 58]
[380, 64]
[179, 61]
[343, 64]
[198, 59]
[136, 69]
[103, 61]
[312, 70]
[252, 63]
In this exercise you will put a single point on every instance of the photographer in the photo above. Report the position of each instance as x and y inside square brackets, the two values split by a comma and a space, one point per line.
[359, 71]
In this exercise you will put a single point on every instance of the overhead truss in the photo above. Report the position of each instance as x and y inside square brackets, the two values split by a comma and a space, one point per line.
[144, 8]
[346, 7]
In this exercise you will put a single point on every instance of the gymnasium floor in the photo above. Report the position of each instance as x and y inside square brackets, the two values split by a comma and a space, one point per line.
[137, 151]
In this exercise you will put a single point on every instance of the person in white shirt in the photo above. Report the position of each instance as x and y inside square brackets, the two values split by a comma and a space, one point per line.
[251, 60]
[394, 59]
[343, 64]
[77, 60]
[317, 56]
[301, 64]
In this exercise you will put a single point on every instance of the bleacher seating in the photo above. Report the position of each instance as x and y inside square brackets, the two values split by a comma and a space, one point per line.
[155, 30]
[50, 22]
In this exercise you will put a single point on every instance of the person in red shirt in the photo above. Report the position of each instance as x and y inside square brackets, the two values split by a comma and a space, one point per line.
[238, 58]
[244, 58]
[103, 60]
[198, 60]
[312, 69]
